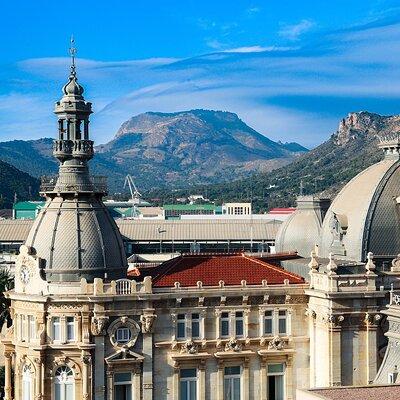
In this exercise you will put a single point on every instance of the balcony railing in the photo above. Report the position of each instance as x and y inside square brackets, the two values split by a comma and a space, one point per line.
[97, 184]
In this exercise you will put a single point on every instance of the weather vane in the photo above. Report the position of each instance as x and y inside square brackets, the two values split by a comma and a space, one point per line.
[72, 50]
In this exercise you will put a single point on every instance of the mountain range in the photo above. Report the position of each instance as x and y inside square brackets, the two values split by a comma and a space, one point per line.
[171, 150]
[165, 152]
[323, 170]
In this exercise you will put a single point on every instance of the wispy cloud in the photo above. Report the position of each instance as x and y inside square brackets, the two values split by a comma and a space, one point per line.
[259, 49]
[253, 10]
[294, 92]
[293, 32]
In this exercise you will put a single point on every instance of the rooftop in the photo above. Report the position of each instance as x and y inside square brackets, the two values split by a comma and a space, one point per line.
[210, 269]
[387, 392]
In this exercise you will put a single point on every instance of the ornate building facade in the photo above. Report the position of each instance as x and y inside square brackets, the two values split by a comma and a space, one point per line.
[217, 327]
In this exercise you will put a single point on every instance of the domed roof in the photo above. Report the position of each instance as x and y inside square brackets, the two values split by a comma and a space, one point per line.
[74, 235]
[364, 215]
[72, 87]
[301, 231]
[77, 238]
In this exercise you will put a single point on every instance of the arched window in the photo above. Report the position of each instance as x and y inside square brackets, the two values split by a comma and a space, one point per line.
[27, 383]
[64, 384]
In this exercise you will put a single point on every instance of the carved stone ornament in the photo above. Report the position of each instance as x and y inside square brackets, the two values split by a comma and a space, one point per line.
[98, 326]
[335, 320]
[370, 266]
[396, 264]
[276, 343]
[233, 345]
[189, 347]
[147, 321]
[313, 264]
[332, 266]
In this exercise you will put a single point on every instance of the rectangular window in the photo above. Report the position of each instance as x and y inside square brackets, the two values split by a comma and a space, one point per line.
[282, 322]
[224, 324]
[123, 335]
[239, 325]
[181, 327]
[31, 327]
[188, 384]
[196, 326]
[232, 384]
[268, 323]
[70, 329]
[22, 328]
[56, 332]
[276, 379]
[123, 386]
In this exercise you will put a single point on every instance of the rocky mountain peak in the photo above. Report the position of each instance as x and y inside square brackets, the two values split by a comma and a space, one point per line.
[365, 126]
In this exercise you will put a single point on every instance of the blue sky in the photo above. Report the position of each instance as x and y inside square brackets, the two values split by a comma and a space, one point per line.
[289, 69]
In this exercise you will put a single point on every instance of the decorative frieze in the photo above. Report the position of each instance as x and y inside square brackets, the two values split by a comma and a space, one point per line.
[277, 343]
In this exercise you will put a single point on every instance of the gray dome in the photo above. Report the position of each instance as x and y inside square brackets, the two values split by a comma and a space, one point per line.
[77, 238]
[364, 215]
[301, 231]
[74, 235]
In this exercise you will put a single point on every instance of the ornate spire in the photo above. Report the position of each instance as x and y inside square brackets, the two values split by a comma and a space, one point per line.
[72, 87]
[73, 147]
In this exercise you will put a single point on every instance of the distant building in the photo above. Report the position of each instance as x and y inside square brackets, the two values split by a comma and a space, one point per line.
[27, 209]
[174, 211]
[236, 208]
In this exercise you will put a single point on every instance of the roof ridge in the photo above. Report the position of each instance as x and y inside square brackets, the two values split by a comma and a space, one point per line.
[275, 268]
[174, 261]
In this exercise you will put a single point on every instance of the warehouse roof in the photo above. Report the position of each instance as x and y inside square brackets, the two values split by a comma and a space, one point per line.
[14, 230]
[198, 229]
[177, 230]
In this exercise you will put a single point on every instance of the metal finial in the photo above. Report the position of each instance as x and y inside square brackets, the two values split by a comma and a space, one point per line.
[72, 53]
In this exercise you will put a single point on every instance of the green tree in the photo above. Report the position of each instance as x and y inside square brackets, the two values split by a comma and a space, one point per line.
[6, 283]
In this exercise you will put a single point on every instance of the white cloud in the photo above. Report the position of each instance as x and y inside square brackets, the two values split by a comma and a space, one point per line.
[289, 93]
[293, 32]
[253, 10]
[258, 49]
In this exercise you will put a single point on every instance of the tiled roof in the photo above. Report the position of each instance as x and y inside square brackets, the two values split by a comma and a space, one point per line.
[390, 392]
[212, 268]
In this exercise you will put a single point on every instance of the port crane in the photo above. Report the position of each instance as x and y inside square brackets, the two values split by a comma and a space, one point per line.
[135, 194]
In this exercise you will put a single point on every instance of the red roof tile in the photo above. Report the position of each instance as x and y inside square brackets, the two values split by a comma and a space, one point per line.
[211, 268]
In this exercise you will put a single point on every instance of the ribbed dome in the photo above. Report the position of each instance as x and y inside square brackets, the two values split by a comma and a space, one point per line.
[301, 231]
[74, 235]
[72, 87]
[77, 238]
[364, 215]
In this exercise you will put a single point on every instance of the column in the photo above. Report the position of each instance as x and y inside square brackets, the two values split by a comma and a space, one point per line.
[246, 379]
[86, 363]
[220, 382]
[335, 359]
[39, 389]
[110, 384]
[175, 381]
[289, 378]
[311, 329]
[368, 353]
[98, 375]
[136, 381]
[148, 366]
[202, 379]
[8, 372]
[263, 379]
